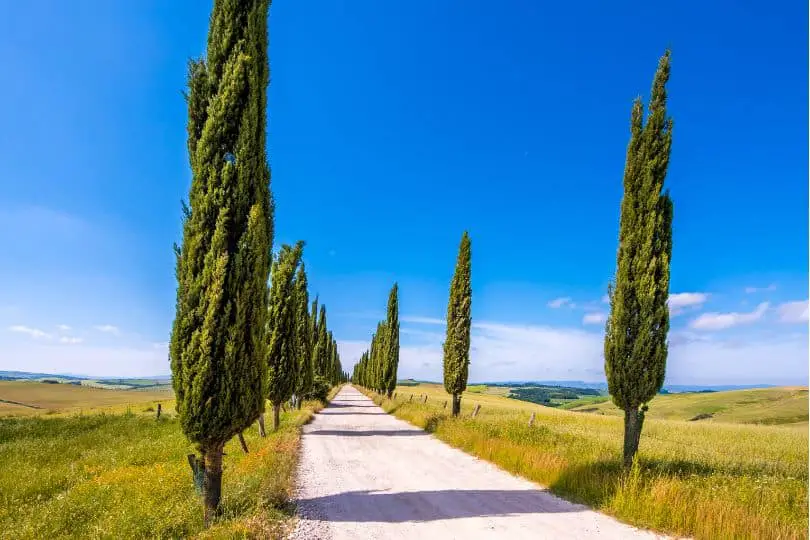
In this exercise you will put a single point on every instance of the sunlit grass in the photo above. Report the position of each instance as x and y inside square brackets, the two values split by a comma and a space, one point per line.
[123, 474]
[706, 480]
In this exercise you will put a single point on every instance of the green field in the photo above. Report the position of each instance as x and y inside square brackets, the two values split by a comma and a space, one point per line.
[114, 471]
[705, 479]
[771, 406]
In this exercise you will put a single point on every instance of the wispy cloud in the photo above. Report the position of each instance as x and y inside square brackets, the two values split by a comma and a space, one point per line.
[421, 320]
[561, 302]
[108, 328]
[721, 321]
[529, 352]
[605, 299]
[793, 312]
[752, 290]
[35, 333]
[68, 340]
[63, 327]
[594, 318]
[680, 302]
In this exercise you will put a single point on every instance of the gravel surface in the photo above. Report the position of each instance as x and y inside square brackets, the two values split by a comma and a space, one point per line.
[365, 474]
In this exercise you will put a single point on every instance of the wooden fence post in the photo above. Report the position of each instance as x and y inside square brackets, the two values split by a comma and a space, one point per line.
[445, 404]
[157, 415]
[197, 471]
[425, 399]
[475, 411]
[411, 398]
[531, 420]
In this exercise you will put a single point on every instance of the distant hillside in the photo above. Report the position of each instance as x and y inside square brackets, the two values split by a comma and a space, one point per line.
[777, 405]
[110, 384]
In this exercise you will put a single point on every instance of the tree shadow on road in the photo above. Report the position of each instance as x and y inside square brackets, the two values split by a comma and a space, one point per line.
[387, 507]
[371, 432]
[349, 413]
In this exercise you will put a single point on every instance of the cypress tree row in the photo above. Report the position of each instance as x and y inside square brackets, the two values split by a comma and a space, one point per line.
[457, 343]
[217, 342]
[303, 337]
[636, 331]
[391, 359]
[377, 368]
[281, 351]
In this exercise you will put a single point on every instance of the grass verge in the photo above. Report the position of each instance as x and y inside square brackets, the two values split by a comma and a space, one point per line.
[707, 480]
[125, 475]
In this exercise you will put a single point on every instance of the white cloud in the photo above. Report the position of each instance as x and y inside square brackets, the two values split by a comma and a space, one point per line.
[63, 327]
[720, 321]
[751, 290]
[70, 340]
[136, 360]
[504, 352]
[35, 333]
[680, 302]
[594, 318]
[561, 302]
[605, 299]
[422, 320]
[108, 328]
[793, 312]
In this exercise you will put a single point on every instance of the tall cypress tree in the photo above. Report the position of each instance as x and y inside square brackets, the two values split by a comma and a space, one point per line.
[281, 350]
[391, 360]
[217, 341]
[457, 343]
[303, 337]
[636, 331]
[323, 344]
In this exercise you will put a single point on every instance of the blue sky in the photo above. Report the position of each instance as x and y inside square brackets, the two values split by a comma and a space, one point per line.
[393, 127]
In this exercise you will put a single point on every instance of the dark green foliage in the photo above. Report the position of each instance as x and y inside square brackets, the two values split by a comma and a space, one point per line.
[457, 343]
[218, 336]
[322, 344]
[217, 340]
[319, 389]
[303, 334]
[544, 395]
[636, 331]
[377, 368]
[391, 353]
[281, 351]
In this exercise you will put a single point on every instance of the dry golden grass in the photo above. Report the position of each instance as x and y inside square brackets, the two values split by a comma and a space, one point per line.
[706, 480]
[42, 398]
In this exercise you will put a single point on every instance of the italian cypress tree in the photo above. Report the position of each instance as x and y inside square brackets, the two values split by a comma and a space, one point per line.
[636, 331]
[391, 361]
[323, 344]
[457, 343]
[281, 350]
[303, 336]
[217, 341]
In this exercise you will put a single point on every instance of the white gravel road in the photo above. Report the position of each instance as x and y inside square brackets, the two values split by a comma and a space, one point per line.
[365, 474]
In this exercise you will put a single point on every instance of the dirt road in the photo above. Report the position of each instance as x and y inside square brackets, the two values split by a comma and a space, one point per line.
[365, 474]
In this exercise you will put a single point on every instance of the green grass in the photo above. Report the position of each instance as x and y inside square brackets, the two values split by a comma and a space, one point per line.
[125, 475]
[700, 479]
[770, 406]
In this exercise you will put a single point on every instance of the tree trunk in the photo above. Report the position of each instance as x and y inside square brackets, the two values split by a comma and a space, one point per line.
[212, 483]
[243, 443]
[456, 404]
[262, 433]
[633, 420]
[276, 418]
